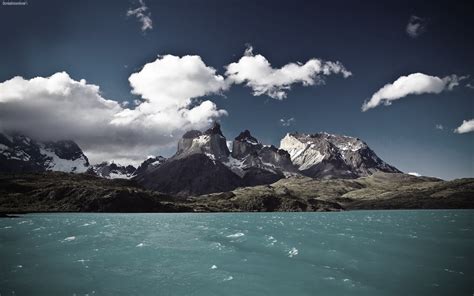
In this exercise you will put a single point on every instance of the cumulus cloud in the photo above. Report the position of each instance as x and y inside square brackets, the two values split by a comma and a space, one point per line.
[256, 72]
[59, 107]
[416, 26]
[467, 126]
[287, 122]
[439, 127]
[416, 83]
[143, 16]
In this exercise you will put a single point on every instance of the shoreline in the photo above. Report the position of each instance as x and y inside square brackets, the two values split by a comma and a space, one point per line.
[21, 214]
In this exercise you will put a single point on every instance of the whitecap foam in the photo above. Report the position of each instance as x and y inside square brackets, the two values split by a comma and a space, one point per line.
[69, 238]
[213, 267]
[453, 271]
[229, 278]
[292, 252]
[235, 235]
[140, 245]
[271, 240]
[89, 223]
[217, 245]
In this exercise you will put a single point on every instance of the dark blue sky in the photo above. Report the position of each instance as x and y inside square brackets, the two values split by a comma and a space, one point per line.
[95, 40]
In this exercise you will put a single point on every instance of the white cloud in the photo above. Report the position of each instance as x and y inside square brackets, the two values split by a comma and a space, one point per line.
[58, 107]
[414, 174]
[170, 100]
[416, 26]
[173, 81]
[416, 83]
[439, 127]
[467, 126]
[143, 16]
[256, 72]
[470, 85]
[287, 122]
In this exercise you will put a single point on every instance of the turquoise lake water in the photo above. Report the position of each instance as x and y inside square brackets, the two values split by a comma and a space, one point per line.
[345, 253]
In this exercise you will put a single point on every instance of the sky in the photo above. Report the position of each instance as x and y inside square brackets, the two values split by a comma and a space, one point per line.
[125, 79]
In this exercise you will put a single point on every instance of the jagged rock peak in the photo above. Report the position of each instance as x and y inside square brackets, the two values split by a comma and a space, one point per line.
[214, 130]
[244, 145]
[192, 134]
[212, 143]
[246, 136]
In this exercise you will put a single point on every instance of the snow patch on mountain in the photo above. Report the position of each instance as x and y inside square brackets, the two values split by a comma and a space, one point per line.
[55, 163]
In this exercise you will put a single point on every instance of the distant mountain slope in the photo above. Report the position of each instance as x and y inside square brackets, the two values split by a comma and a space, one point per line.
[19, 153]
[192, 175]
[149, 164]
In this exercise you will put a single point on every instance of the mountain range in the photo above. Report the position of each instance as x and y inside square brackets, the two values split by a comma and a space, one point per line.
[203, 162]
[308, 172]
